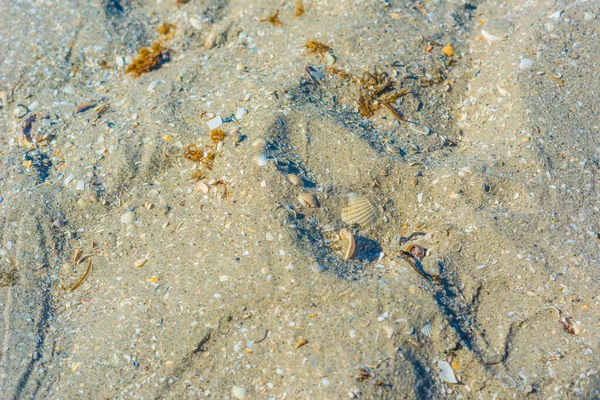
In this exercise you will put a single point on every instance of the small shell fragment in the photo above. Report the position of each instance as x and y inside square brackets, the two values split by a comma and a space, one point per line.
[307, 200]
[196, 23]
[154, 84]
[215, 123]
[295, 179]
[262, 160]
[392, 149]
[427, 330]
[84, 107]
[80, 185]
[240, 113]
[348, 243]
[422, 129]
[330, 58]
[526, 64]
[140, 263]
[491, 38]
[239, 393]
[446, 372]
[448, 50]
[360, 211]
[200, 186]
[301, 342]
[69, 179]
[127, 217]
[259, 144]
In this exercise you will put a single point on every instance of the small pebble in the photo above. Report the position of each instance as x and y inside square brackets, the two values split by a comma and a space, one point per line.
[240, 113]
[526, 64]
[127, 218]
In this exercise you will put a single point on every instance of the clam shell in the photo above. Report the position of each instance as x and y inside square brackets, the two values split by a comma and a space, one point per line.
[295, 179]
[427, 330]
[348, 242]
[307, 200]
[360, 211]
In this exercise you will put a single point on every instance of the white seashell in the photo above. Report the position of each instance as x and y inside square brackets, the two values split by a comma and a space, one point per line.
[426, 330]
[215, 123]
[330, 58]
[556, 15]
[127, 217]
[201, 187]
[80, 185]
[422, 129]
[140, 263]
[360, 211]
[446, 372]
[196, 23]
[119, 61]
[154, 84]
[491, 38]
[69, 179]
[239, 393]
[240, 113]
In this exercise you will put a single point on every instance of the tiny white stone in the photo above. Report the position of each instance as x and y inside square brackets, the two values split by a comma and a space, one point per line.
[119, 61]
[127, 217]
[240, 113]
[269, 237]
[556, 15]
[239, 392]
[215, 123]
[81, 185]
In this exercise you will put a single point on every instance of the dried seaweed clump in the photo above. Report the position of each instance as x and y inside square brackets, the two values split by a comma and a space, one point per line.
[273, 19]
[166, 30]
[376, 91]
[203, 157]
[315, 47]
[299, 9]
[148, 59]
[217, 135]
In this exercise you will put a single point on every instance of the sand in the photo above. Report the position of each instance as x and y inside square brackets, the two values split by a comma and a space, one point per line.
[129, 271]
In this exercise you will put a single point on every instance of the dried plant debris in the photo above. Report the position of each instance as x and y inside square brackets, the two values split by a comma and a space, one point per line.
[148, 59]
[299, 9]
[377, 90]
[315, 47]
[83, 278]
[151, 58]
[217, 135]
[273, 19]
[204, 157]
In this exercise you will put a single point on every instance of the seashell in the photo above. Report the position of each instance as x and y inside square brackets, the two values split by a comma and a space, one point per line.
[215, 123]
[80, 185]
[196, 23]
[301, 342]
[392, 149]
[69, 179]
[259, 143]
[446, 372]
[422, 129]
[307, 200]
[295, 179]
[360, 211]
[262, 161]
[491, 38]
[240, 113]
[154, 84]
[84, 107]
[348, 243]
[201, 187]
[330, 58]
[417, 251]
[426, 330]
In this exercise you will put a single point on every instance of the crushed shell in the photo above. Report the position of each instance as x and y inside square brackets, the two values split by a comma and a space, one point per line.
[348, 242]
[307, 200]
[360, 210]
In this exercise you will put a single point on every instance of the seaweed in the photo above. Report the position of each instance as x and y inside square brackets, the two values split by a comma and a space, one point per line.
[299, 9]
[204, 157]
[217, 135]
[316, 47]
[273, 19]
[148, 59]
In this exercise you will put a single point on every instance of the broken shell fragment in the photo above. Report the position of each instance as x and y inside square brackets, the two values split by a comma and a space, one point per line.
[418, 128]
[446, 372]
[301, 342]
[84, 107]
[307, 200]
[417, 251]
[140, 263]
[448, 50]
[240, 113]
[348, 243]
[295, 179]
[360, 211]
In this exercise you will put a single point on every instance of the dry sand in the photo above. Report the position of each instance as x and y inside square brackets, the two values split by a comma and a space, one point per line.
[207, 295]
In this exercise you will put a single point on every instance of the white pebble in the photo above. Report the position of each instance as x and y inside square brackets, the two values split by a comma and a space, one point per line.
[215, 123]
[81, 185]
[240, 113]
[119, 61]
[127, 217]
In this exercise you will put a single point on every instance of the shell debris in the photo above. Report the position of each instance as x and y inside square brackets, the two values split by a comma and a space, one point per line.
[307, 200]
[348, 243]
[295, 180]
[359, 211]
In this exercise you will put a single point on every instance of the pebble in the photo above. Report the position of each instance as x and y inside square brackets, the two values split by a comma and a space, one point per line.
[215, 123]
[239, 392]
[240, 113]
[127, 218]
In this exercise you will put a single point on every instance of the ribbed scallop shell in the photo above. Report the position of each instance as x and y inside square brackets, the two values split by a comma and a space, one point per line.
[360, 211]
[348, 243]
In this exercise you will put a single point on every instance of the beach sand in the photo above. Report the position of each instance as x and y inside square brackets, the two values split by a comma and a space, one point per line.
[135, 266]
